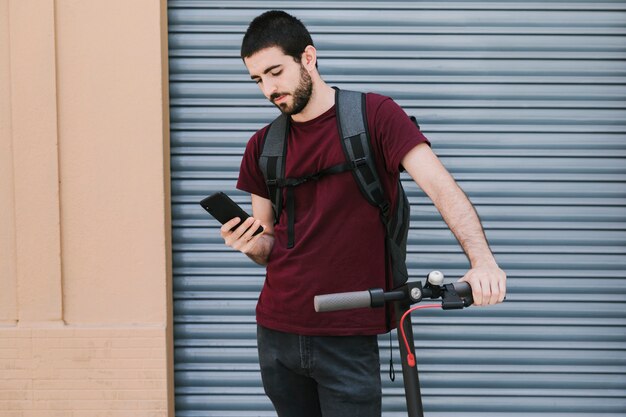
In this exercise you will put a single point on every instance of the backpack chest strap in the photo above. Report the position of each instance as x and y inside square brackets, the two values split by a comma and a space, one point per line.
[291, 183]
[272, 165]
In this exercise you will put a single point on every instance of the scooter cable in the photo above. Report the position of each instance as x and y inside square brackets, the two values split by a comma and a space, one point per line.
[410, 358]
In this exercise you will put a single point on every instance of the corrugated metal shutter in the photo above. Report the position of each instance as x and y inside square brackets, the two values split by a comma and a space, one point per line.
[525, 102]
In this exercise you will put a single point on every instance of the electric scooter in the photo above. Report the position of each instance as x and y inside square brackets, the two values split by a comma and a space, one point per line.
[455, 295]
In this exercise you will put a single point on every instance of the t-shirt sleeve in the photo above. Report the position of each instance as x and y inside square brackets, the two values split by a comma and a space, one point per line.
[250, 176]
[394, 133]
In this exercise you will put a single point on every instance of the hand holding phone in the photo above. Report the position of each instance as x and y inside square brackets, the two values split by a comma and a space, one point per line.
[223, 209]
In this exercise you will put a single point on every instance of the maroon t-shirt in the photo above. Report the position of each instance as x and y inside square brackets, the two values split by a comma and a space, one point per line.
[339, 237]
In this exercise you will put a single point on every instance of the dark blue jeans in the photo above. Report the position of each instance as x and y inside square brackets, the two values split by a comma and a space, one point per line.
[314, 376]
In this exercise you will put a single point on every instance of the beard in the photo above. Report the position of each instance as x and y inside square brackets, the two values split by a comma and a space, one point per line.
[301, 95]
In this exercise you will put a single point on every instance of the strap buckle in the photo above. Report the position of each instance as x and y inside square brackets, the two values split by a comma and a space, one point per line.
[278, 182]
[356, 163]
[384, 208]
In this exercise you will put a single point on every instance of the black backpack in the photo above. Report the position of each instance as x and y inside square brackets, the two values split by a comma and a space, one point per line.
[355, 141]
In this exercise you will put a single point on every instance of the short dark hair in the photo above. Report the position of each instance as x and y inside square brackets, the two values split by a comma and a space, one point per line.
[276, 28]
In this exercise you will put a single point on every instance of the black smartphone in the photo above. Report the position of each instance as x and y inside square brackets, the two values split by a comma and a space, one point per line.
[220, 206]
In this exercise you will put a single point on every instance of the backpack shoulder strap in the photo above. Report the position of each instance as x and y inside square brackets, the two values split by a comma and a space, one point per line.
[355, 139]
[352, 121]
[272, 160]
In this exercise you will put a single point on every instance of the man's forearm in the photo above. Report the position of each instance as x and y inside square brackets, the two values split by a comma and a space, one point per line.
[462, 219]
[456, 209]
[488, 281]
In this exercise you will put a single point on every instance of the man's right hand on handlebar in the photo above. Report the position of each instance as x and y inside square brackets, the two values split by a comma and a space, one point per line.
[488, 284]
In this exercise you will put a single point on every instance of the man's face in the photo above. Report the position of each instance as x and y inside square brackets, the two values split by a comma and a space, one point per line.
[283, 81]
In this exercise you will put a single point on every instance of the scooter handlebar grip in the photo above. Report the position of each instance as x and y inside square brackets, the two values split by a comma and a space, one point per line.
[342, 301]
[464, 291]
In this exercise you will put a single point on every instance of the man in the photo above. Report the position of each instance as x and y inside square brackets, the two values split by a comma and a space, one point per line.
[315, 364]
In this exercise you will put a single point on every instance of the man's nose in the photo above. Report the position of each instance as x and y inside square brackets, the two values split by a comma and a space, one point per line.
[269, 88]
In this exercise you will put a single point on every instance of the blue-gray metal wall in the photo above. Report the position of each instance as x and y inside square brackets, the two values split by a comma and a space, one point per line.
[525, 103]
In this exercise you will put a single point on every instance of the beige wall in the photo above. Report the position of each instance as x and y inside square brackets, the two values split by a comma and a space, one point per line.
[85, 321]
[8, 281]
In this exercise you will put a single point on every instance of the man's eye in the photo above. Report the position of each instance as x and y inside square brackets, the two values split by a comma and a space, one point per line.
[258, 81]
[277, 73]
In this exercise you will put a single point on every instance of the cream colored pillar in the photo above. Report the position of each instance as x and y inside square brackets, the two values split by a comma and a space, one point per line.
[35, 161]
[8, 278]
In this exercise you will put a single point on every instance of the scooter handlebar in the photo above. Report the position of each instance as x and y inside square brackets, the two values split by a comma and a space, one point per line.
[464, 291]
[342, 301]
[363, 299]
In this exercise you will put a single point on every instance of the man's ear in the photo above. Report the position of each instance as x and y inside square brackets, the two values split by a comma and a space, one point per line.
[309, 57]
